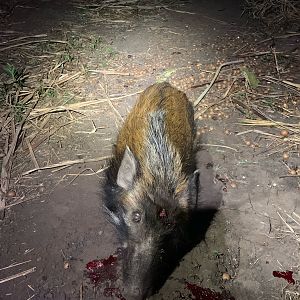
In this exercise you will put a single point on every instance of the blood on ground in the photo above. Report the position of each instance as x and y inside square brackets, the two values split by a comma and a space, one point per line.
[200, 293]
[105, 271]
[288, 276]
[102, 270]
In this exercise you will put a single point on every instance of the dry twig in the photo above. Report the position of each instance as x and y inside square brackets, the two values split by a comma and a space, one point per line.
[219, 146]
[67, 163]
[31, 42]
[23, 273]
[7, 160]
[214, 79]
[15, 265]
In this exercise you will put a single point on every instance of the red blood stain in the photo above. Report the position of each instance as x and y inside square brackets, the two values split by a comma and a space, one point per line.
[101, 270]
[201, 293]
[111, 291]
[288, 276]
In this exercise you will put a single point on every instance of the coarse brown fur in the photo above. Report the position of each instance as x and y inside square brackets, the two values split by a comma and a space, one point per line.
[179, 122]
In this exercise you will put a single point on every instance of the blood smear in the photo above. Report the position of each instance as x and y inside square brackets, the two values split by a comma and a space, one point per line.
[288, 276]
[102, 270]
[201, 293]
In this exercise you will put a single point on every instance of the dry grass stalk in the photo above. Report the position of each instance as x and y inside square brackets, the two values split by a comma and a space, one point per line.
[67, 163]
[31, 42]
[8, 158]
[294, 127]
[92, 173]
[17, 203]
[180, 11]
[15, 265]
[276, 61]
[291, 222]
[285, 223]
[251, 54]
[250, 108]
[23, 38]
[279, 37]
[260, 132]
[292, 86]
[219, 146]
[94, 130]
[21, 274]
[66, 77]
[81, 292]
[110, 72]
[196, 103]
[38, 112]
[33, 158]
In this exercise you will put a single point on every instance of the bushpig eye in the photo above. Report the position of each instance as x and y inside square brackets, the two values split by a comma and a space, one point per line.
[136, 216]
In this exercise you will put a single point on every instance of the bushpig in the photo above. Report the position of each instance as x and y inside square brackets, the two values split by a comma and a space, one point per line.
[150, 181]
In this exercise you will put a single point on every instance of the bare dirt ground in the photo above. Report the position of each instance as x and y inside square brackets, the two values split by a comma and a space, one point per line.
[85, 65]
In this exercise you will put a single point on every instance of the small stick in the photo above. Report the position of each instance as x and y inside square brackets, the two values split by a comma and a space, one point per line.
[292, 218]
[221, 146]
[16, 203]
[291, 85]
[89, 174]
[33, 158]
[31, 42]
[250, 54]
[115, 110]
[284, 176]
[81, 292]
[276, 62]
[15, 265]
[288, 226]
[296, 215]
[204, 83]
[238, 50]
[94, 130]
[229, 88]
[214, 79]
[279, 37]
[24, 273]
[110, 102]
[31, 287]
[23, 38]
[179, 11]
[75, 106]
[258, 131]
[7, 160]
[110, 72]
[254, 110]
[296, 85]
[67, 163]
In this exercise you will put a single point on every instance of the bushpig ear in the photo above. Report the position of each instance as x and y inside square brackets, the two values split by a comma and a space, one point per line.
[194, 189]
[127, 170]
[187, 192]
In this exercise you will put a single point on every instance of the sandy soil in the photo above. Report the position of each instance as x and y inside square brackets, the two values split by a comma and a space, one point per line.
[63, 227]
